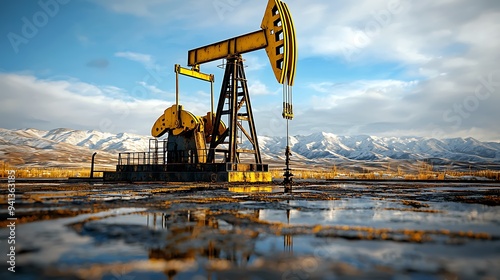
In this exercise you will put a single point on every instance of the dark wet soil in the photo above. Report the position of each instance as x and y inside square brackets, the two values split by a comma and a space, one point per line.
[66, 200]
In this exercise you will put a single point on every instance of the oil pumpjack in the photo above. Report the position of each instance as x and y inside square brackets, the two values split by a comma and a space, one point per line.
[209, 148]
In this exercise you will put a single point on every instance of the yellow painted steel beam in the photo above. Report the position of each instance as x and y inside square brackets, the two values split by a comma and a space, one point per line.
[277, 36]
[249, 177]
[194, 73]
[238, 45]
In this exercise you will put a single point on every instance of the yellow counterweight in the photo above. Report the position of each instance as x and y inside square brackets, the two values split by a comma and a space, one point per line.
[175, 120]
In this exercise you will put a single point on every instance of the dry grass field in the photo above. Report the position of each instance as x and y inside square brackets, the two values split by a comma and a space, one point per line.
[424, 172]
[47, 172]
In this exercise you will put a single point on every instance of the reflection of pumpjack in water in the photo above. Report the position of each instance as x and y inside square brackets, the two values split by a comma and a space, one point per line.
[183, 227]
[288, 238]
[192, 235]
[188, 226]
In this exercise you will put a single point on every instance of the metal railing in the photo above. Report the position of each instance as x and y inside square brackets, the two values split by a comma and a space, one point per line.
[140, 158]
[163, 157]
[159, 154]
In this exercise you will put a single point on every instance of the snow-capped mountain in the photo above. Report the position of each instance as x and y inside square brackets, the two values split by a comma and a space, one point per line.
[368, 148]
[73, 147]
[65, 147]
[91, 139]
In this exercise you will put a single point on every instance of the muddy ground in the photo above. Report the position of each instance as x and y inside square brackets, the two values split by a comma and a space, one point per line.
[323, 230]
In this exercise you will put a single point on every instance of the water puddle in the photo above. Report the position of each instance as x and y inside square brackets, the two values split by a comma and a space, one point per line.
[279, 237]
[382, 214]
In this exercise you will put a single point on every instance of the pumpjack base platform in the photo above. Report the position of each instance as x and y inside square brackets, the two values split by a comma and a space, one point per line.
[205, 172]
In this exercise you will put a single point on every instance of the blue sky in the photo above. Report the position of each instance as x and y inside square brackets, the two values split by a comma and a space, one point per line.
[377, 67]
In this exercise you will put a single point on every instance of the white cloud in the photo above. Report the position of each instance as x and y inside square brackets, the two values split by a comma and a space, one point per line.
[436, 107]
[414, 32]
[448, 45]
[154, 72]
[146, 8]
[181, 13]
[383, 89]
[256, 87]
[48, 104]
[153, 89]
[254, 62]
[145, 59]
